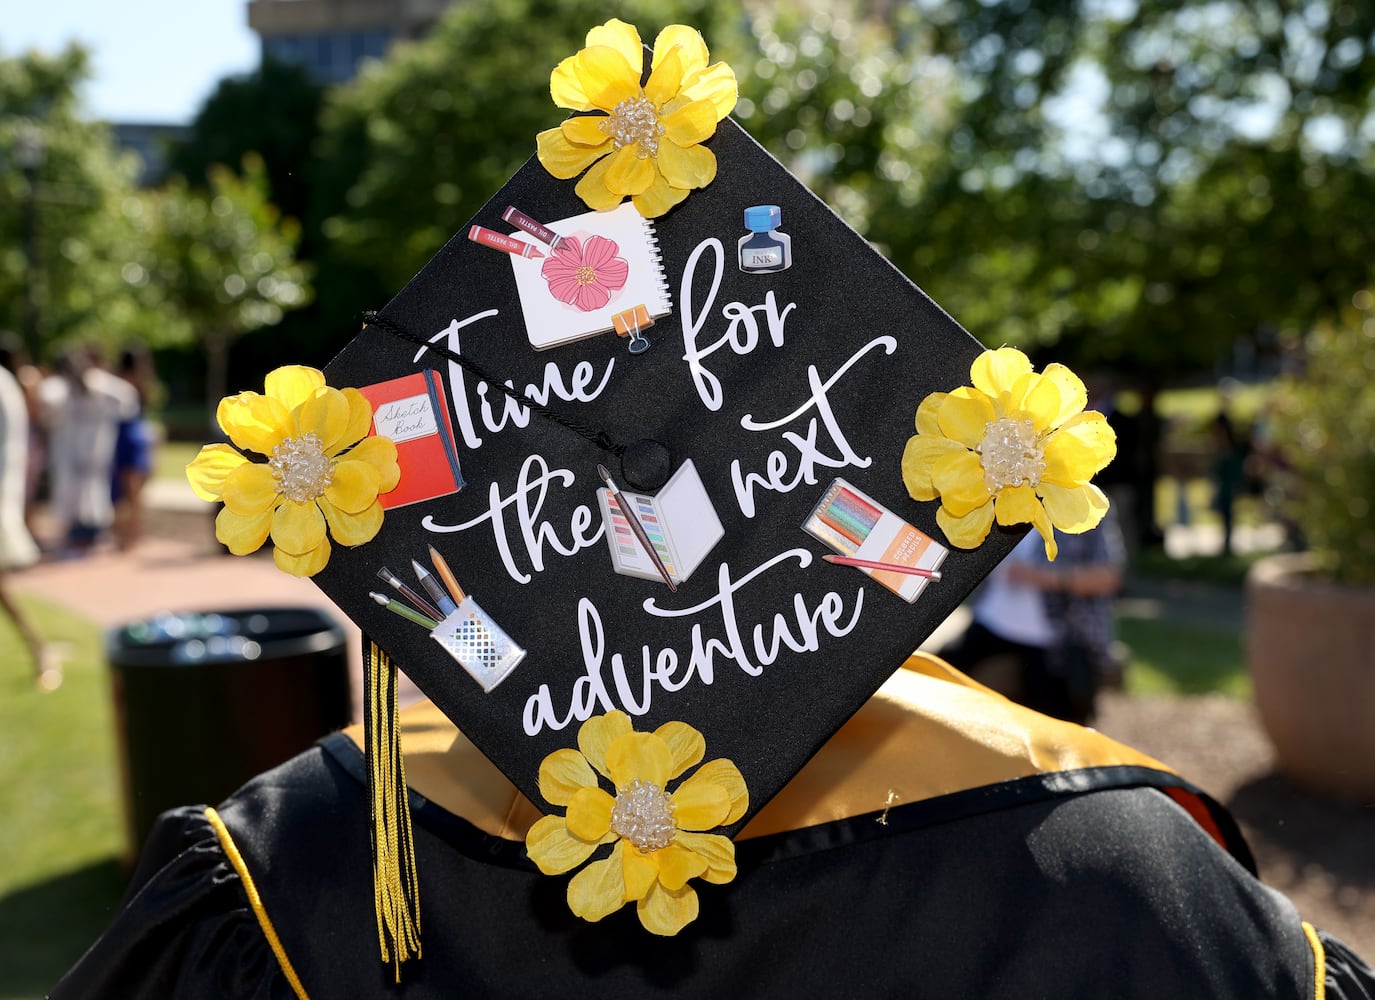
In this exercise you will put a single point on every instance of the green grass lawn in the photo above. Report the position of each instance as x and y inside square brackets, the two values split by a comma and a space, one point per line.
[60, 804]
[1170, 657]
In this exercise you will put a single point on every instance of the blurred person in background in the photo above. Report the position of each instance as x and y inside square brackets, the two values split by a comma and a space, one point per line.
[135, 442]
[17, 547]
[28, 375]
[1043, 633]
[83, 406]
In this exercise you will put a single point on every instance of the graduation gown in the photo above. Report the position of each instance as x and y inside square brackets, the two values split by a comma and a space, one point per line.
[944, 843]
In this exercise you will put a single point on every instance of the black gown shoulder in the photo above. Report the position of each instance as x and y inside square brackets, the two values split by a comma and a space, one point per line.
[1093, 884]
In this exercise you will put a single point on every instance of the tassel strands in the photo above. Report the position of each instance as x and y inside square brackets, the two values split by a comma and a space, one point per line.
[396, 893]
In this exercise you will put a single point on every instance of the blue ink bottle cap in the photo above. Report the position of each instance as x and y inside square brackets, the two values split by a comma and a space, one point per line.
[763, 218]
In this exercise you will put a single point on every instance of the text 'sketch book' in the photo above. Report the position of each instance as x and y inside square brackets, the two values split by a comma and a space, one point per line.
[413, 411]
[606, 263]
[680, 520]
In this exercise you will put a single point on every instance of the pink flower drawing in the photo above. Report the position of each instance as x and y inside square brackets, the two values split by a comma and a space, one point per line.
[585, 275]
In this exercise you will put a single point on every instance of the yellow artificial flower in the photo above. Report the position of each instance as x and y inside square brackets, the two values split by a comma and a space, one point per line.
[645, 142]
[1016, 446]
[309, 482]
[657, 838]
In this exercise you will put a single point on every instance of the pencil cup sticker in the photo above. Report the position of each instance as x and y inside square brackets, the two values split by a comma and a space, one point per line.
[479, 644]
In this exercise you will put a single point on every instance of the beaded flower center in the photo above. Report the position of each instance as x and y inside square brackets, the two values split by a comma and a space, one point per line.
[634, 121]
[643, 815]
[1011, 454]
[300, 468]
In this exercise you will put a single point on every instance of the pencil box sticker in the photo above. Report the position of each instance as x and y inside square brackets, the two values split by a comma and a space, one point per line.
[851, 523]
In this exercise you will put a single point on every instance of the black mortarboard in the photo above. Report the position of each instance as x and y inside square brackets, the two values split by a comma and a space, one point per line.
[763, 427]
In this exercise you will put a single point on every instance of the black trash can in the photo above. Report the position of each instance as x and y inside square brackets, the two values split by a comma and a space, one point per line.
[206, 700]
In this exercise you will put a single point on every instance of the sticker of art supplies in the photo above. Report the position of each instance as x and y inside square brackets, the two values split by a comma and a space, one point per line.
[414, 412]
[870, 537]
[599, 272]
[665, 536]
[455, 621]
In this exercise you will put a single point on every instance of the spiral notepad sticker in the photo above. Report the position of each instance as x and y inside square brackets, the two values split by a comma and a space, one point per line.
[479, 644]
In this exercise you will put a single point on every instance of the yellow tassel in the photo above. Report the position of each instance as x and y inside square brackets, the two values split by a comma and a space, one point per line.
[396, 893]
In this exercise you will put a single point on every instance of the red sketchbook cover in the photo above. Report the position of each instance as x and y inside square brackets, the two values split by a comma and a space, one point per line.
[414, 412]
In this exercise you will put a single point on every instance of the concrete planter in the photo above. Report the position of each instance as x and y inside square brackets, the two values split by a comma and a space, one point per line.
[1311, 653]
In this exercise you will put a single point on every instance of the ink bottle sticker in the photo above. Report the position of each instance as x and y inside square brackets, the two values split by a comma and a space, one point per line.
[765, 249]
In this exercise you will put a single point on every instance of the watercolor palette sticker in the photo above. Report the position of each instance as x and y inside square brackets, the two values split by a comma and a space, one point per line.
[857, 526]
[680, 521]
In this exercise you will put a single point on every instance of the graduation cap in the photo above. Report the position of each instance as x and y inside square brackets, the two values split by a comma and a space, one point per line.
[625, 447]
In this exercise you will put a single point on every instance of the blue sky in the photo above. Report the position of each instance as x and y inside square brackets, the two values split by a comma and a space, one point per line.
[154, 60]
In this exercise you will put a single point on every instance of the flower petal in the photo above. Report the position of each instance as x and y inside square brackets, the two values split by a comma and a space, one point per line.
[622, 37]
[667, 77]
[354, 486]
[297, 528]
[1074, 509]
[304, 564]
[928, 421]
[691, 47]
[598, 733]
[660, 197]
[1038, 399]
[592, 188]
[589, 813]
[292, 385]
[565, 87]
[677, 865]
[686, 744]
[563, 773]
[242, 535]
[690, 167]
[700, 804]
[380, 453]
[250, 489]
[326, 414]
[629, 173]
[694, 122]
[606, 76]
[959, 479]
[666, 912]
[716, 84]
[920, 456]
[352, 529]
[360, 418]
[641, 872]
[562, 158]
[1017, 505]
[964, 416]
[1073, 395]
[1082, 446]
[254, 422]
[638, 755]
[585, 131]
[716, 850]
[207, 471]
[996, 372]
[724, 773]
[599, 889]
[553, 849]
[968, 531]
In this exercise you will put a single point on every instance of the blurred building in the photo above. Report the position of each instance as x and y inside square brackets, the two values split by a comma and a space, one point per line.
[329, 38]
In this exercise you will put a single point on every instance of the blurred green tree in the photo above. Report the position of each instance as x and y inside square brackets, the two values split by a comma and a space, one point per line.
[225, 260]
[273, 112]
[73, 231]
